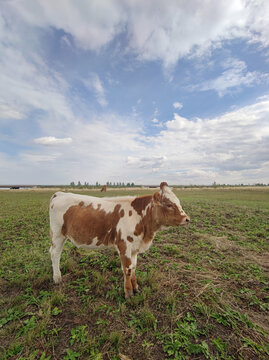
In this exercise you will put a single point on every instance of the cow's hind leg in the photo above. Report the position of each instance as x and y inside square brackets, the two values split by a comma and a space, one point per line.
[57, 243]
[133, 276]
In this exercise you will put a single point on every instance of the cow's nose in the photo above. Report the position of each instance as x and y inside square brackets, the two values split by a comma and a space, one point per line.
[187, 219]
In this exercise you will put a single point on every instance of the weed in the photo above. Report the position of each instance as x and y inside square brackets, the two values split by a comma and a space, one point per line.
[183, 342]
[115, 339]
[144, 321]
[28, 325]
[12, 315]
[78, 335]
[71, 355]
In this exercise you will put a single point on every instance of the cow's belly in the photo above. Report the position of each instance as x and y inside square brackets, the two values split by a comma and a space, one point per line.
[92, 246]
[144, 246]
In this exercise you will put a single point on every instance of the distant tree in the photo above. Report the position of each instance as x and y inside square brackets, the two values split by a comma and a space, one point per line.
[79, 184]
[72, 184]
[132, 184]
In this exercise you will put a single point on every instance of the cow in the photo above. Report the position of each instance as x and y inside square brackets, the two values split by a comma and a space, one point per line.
[126, 223]
[103, 188]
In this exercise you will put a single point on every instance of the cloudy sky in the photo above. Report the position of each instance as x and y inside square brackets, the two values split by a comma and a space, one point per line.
[134, 91]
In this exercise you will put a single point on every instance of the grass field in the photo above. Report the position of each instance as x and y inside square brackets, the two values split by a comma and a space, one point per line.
[204, 288]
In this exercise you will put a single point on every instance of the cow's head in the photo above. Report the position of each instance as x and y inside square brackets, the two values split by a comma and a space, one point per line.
[168, 208]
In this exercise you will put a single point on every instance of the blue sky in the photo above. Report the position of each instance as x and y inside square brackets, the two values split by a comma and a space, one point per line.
[134, 91]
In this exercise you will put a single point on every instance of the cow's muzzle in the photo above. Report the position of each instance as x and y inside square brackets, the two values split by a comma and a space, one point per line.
[185, 220]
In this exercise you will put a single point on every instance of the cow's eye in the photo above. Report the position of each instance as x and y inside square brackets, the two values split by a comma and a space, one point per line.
[169, 205]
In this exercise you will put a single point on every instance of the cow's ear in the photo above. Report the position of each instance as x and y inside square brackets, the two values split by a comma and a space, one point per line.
[163, 184]
[157, 198]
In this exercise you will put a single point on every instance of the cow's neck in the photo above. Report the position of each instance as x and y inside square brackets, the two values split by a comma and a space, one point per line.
[150, 224]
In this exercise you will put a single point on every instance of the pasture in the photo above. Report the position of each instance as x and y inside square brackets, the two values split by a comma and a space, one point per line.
[204, 288]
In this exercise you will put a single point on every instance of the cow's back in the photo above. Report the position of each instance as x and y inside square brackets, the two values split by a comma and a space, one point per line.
[68, 210]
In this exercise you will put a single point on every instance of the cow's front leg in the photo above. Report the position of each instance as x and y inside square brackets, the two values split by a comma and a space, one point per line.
[126, 265]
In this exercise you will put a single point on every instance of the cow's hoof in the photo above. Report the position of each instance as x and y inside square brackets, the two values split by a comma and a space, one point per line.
[136, 291]
[57, 280]
[129, 294]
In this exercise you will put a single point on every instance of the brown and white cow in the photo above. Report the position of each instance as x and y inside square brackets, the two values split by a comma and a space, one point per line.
[103, 188]
[126, 223]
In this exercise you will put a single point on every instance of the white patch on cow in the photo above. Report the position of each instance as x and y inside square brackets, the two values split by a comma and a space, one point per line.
[91, 246]
[168, 193]
[146, 208]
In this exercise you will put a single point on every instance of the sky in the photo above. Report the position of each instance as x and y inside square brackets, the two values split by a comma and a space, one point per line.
[134, 91]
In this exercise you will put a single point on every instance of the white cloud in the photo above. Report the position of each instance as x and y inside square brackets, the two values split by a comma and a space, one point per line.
[95, 84]
[51, 141]
[178, 105]
[92, 24]
[157, 123]
[39, 158]
[9, 112]
[27, 82]
[154, 162]
[231, 148]
[235, 75]
[156, 29]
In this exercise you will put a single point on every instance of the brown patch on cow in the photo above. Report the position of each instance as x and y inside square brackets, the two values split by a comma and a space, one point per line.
[128, 272]
[54, 196]
[130, 213]
[162, 184]
[52, 206]
[126, 262]
[103, 188]
[157, 198]
[129, 238]
[121, 213]
[140, 203]
[134, 282]
[84, 223]
[139, 228]
[121, 244]
[147, 226]
[81, 203]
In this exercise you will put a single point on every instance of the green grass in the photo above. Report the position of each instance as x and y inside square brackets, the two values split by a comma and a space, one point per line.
[204, 288]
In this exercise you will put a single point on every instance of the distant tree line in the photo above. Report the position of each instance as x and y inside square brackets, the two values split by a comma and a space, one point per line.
[97, 184]
[129, 184]
[235, 185]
